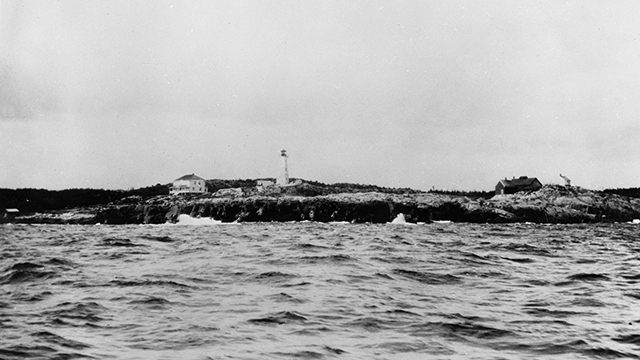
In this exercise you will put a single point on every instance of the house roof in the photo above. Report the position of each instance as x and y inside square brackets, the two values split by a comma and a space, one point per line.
[189, 177]
[521, 181]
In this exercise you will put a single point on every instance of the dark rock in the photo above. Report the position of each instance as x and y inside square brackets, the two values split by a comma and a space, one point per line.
[551, 204]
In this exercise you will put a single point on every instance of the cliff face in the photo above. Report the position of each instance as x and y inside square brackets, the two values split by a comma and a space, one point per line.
[357, 208]
[551, 204]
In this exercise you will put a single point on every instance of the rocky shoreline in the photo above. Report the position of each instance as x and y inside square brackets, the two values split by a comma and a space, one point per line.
[551, 204]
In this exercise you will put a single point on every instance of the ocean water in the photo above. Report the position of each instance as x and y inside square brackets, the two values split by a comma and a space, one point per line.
[320, 291]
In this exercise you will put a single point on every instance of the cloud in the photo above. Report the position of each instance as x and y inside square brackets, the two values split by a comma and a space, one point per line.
[436, 91]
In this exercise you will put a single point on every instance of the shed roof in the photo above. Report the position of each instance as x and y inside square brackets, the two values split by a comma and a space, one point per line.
[189, 177]
[521, 181]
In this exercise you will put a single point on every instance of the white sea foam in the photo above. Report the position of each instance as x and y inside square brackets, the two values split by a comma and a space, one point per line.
[184, 219]
[400, 219]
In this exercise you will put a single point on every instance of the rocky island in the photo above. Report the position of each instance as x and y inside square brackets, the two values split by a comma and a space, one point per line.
[311, 202]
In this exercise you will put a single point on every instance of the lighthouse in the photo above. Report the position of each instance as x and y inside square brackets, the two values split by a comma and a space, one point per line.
[283, 179]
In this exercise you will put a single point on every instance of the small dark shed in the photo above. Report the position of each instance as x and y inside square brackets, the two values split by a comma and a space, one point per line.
[523, 183]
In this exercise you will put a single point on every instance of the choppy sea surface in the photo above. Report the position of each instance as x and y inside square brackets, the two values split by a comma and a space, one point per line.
[320, 291]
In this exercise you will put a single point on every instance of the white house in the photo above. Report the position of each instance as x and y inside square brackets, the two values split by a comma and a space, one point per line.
[188, 184]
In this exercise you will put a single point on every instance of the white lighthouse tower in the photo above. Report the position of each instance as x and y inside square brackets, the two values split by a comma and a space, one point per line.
[283, 179]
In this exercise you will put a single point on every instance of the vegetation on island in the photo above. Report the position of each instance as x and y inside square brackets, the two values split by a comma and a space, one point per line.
[474, 194]
[307, 187]
[629, 192]
[219, 184]
[33, 200]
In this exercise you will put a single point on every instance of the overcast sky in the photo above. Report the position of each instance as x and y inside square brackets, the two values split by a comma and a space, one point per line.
[420, 94]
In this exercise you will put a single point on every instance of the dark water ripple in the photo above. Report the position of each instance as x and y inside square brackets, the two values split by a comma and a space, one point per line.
[320, 291]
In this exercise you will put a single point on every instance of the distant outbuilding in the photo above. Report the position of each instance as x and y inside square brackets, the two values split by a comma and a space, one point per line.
[523, 183]
[9, 214]
[188, 184]
[262, 184]
[265, 182]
